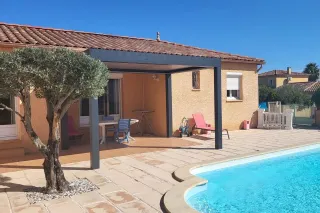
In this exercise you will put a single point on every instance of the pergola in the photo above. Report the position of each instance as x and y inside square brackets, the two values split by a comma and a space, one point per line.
[167, 64]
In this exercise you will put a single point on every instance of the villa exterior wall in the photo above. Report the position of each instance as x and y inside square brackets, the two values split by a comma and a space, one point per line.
[142, 91]
[186, 101]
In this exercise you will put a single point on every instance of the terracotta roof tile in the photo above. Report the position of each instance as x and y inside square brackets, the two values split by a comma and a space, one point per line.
[309, 87]
[283, 73]
[30, 35]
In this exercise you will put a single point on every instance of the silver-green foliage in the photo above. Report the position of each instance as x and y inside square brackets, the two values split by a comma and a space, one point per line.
[58, 74]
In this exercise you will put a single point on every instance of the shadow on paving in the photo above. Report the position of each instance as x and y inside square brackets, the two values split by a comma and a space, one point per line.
[13, 187]
[81, 152]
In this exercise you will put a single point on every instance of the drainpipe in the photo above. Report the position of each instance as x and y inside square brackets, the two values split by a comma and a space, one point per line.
[259, 68]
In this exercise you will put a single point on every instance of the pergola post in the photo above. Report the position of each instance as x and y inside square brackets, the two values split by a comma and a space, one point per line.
[169, 104]
[217, 107]
[94, 133]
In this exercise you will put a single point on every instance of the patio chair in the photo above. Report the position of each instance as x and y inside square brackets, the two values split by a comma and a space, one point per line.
[201, 124]
[109, 128]
[74, 134]
[124, 128]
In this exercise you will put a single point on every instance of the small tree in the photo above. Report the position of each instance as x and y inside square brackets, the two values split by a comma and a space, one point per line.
[316, 98]
[61, 77]
[291, 95]
[267, 94]
[313, 70]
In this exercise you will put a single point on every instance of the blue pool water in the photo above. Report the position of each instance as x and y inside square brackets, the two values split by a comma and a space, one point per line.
[289, 183]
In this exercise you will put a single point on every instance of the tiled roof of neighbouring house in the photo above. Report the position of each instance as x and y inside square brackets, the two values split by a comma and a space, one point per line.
[309, 87]
[40, 36]
[283, 73]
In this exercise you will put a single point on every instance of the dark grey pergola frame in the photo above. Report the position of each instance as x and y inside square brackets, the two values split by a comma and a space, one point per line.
[155, 59]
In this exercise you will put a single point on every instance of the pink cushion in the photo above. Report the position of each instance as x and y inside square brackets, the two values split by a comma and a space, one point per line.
[206, 128]
[199, 120]
[71, 130]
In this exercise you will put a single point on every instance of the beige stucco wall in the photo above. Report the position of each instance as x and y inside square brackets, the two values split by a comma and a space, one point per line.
[283, 80]
[279, 81]
[265, 80]
[140, 91]
[186, 101]
[39, 123]
[233, 113]
[155, 100]
[132, 96]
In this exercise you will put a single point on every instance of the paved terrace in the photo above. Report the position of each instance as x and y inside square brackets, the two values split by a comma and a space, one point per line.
[137, 182]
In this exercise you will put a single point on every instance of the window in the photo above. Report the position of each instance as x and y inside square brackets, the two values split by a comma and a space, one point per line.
[108, 104]
[196, 80]
[270, 83]
[6, 117]
[234, 86]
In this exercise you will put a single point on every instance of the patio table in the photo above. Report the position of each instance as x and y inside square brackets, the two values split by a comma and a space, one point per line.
[103, 125]
[144, 119]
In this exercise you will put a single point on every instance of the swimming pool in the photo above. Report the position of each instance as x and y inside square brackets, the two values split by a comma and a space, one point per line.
[287, 181]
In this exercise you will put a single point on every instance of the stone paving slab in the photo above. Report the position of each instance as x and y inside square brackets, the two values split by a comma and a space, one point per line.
[102, 207]
[137, 182]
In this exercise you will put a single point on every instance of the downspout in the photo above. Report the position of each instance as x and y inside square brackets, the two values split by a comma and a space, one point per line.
[261, 65]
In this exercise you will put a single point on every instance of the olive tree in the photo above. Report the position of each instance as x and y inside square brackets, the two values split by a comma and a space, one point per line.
[291, 95]
[60, 77]
[267, 94]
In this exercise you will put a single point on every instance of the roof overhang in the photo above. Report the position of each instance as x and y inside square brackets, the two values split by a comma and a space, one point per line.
[125, 61]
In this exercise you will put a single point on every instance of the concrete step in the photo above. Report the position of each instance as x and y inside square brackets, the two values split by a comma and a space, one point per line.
[10, 144]
[11, 149]
[11, 153]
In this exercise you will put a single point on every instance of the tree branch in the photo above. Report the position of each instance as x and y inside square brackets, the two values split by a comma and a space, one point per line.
[5, 107]
[62, 100]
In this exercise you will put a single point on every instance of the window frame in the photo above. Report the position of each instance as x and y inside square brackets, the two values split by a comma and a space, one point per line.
[10, 131]
[230, 96]
[195, 78]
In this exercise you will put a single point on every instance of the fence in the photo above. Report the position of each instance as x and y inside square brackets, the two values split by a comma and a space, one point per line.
[272, 120]
[302, 115]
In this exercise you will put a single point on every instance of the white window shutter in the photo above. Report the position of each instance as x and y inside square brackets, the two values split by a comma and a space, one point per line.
[233, 82]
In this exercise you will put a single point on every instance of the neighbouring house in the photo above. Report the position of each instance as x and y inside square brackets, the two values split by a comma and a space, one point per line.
[277, 78]
[307, 87]
[171, 80]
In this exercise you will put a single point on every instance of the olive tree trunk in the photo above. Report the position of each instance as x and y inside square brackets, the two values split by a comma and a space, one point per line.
[55, 179]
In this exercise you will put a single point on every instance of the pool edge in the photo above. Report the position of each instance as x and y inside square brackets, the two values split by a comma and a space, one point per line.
[174, 199]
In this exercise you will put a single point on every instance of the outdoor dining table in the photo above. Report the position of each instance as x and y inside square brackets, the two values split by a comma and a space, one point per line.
[105, 123]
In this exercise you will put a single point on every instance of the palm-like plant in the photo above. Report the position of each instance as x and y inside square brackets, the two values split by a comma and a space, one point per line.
[313, 70]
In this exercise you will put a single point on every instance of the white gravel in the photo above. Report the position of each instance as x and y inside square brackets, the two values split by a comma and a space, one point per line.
[78, 186]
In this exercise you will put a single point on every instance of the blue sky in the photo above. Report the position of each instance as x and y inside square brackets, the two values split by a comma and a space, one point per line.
[283, 32]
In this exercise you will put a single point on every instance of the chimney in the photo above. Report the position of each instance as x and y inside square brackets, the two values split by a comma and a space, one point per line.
[158, 36]
[289, 70]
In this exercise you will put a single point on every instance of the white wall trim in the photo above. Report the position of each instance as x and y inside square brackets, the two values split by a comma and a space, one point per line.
[115, 75]
[234, 73]
[8, 132]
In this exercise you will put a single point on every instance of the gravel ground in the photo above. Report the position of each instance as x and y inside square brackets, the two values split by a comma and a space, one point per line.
[79, 186]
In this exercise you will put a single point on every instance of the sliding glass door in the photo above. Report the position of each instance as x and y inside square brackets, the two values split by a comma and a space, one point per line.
[109, 103]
